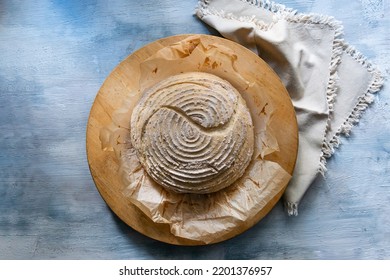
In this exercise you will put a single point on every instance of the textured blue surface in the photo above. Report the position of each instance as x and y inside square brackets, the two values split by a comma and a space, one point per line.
[54, 56]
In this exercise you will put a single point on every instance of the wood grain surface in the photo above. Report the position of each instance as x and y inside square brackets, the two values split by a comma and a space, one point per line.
[54, 57]
[124, 79]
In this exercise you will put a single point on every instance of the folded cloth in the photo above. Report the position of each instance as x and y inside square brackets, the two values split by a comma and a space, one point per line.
[330, 82]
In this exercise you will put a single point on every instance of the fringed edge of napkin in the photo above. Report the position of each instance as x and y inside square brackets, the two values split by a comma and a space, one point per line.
[362, 104]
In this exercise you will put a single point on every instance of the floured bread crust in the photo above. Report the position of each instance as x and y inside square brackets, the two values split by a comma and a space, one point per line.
[193, 133]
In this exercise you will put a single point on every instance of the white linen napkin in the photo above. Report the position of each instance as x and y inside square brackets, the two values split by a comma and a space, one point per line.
[330, 82]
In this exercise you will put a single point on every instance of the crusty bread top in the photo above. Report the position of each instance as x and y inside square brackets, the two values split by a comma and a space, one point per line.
[193, 133]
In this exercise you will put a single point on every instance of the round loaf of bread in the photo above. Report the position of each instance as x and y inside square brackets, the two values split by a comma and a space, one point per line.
[193, 133]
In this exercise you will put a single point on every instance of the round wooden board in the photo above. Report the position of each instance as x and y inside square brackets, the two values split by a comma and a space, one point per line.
[104, 166]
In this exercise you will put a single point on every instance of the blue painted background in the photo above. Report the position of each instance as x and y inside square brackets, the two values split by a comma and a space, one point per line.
[54, 56]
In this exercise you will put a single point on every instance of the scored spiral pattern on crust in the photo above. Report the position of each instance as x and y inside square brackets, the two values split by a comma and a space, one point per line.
[193, 133]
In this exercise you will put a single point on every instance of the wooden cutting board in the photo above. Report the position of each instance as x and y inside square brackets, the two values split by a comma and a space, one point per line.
[104, 166]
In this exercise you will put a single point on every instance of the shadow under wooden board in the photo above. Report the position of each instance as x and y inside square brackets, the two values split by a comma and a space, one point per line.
[104, 165]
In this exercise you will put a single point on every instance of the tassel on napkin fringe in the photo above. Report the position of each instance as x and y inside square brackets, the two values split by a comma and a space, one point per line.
[291, 208]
